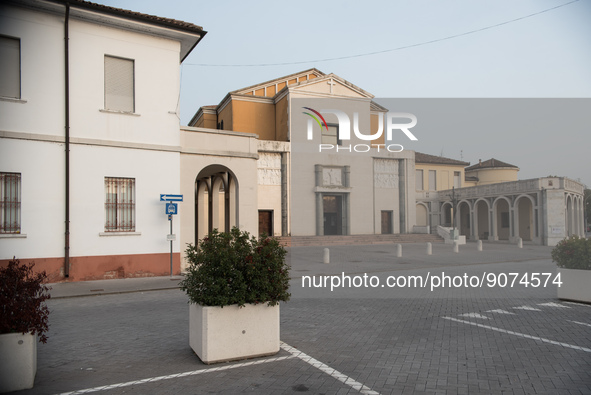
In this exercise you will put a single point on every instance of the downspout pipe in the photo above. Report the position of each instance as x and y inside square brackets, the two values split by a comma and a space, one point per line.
[67, 126]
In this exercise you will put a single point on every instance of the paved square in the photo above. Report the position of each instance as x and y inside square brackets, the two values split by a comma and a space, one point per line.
[369, 340]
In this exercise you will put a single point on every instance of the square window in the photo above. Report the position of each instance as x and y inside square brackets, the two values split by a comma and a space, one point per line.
[331, 136]
[119, 84]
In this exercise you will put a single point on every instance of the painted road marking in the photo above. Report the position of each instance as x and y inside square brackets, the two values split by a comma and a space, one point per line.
[552, 304]
[520, 334]
[580, 323]
[529, 308]
[175, 376]
[328, 370]
[579, 304]
[500, 311]
[474, 315]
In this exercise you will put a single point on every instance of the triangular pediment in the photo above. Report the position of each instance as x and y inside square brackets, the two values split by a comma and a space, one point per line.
[331, 85]
[273, 87]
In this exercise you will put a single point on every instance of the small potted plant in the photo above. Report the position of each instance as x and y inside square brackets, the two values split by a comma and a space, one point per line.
[573, 257]
[23, 321]
[235, 283]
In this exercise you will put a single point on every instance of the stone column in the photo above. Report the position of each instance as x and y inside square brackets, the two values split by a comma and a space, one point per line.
[402, 195]
[284, 195]
[319, 215]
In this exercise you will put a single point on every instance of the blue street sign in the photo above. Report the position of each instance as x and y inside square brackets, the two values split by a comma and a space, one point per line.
[171, 198]
[171, 208]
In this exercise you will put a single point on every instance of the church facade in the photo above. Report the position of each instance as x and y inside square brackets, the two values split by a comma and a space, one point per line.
[317, 178]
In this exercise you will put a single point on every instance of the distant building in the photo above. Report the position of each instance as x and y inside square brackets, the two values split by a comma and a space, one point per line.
[492, 204]
[491, 171]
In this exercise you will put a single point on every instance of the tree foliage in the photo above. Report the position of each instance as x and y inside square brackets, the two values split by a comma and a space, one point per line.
[22, 300]
[573, 253]
[235, 268]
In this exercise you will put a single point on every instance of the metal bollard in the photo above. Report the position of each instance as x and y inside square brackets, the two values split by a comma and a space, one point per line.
[398, 250]
[326, 255]
[479, 246]
[519, 242]
[456, 247]
[429, 249]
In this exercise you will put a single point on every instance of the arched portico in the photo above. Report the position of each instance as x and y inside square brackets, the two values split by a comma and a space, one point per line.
[422, 212]
[502, 224]
[464, 219]
[446, 214]
[482, 222]
[524, 217]
[569, 216]
[216, 200]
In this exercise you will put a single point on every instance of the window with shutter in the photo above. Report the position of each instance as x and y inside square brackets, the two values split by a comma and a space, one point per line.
[119, 84]
[10, 67]
[432, 180]
[419, 180]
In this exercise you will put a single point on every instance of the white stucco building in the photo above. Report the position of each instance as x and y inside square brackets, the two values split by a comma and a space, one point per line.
[89, 136]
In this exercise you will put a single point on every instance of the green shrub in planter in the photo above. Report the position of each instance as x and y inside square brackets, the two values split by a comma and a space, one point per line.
[235, 268]
[573, 253]
[22, 300]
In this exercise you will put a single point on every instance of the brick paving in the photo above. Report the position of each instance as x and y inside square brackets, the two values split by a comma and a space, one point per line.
[391, 340]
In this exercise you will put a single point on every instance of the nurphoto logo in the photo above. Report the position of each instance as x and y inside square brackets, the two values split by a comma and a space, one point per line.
[344, 130]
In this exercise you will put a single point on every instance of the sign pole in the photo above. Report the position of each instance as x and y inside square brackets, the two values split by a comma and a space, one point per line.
[171, 209]
[170, 246]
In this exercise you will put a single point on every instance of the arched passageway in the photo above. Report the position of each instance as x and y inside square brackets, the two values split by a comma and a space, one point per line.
[216, 200]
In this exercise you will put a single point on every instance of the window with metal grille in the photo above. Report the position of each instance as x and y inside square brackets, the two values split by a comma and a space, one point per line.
[10, 67]
[119, 84]
[10, 203]
[119, 204]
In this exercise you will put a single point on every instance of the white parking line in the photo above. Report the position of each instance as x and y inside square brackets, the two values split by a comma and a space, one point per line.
[175, 376]
[529, 308]
[500, 311]
[474, 315]
[294, 354]
[579, 304]
[552, 304]
[520, 334]
[580, 323]
[328, 370]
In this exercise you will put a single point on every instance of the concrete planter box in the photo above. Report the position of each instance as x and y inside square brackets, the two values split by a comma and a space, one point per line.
[18, 361]
[576, 285]
[220, 334]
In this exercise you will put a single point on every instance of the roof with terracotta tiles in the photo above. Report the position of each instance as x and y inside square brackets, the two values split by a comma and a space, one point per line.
[491, 163]
[439, 160]
[158, 20]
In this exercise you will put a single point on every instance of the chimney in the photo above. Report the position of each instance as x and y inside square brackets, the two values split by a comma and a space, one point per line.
[479, 162]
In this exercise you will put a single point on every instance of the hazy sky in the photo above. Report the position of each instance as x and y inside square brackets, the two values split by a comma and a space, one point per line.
[547, 55]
